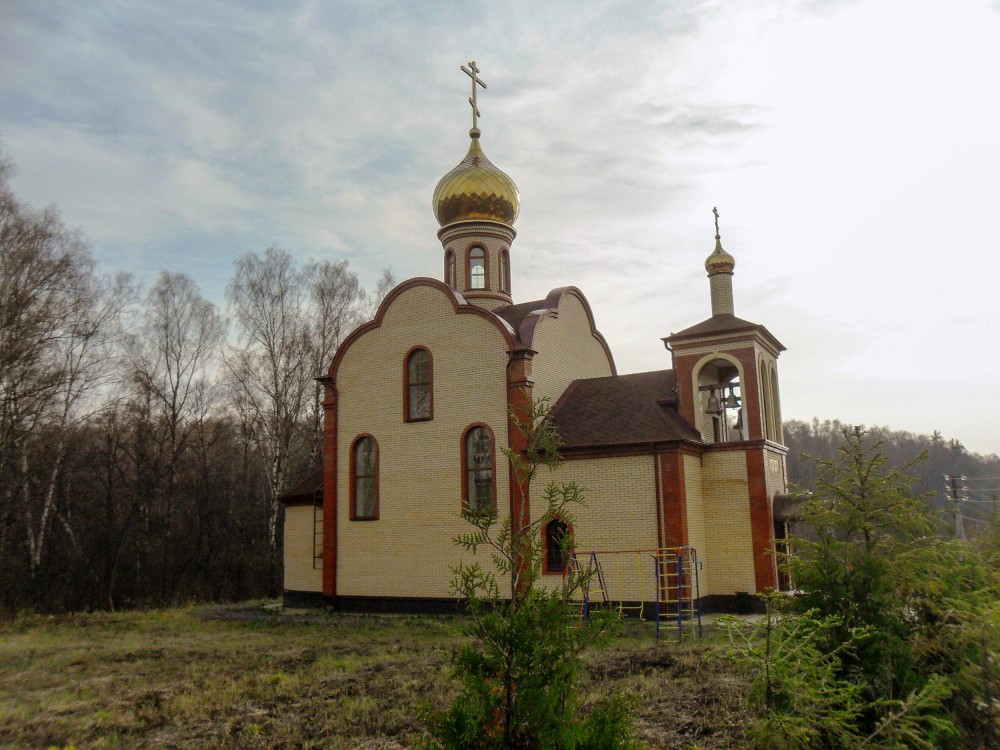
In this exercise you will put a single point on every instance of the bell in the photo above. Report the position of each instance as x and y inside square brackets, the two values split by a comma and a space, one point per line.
[713, 404]
[732, 402]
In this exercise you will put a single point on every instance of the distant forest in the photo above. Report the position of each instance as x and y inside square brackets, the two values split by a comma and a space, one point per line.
[145, 437]
[978, 477]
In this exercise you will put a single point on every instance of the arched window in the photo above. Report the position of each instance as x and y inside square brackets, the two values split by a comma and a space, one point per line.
[505, 271]
[419, 394]
[779, 435]
[477, 268]
[768, 407]
[556, 537]
[449, 269]
[478, 475]
[364, 479]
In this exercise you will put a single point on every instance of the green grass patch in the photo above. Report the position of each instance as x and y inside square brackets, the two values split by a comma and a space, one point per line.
[256, 679]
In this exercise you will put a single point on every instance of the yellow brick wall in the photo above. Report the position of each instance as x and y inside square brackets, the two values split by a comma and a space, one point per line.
[697, 523]
[728, 554]
[566, 350]
[620, 515]
[776, 474]
[300, 574]
[408, 551]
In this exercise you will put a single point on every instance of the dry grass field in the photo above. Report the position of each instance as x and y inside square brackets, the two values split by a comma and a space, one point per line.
[246, 677]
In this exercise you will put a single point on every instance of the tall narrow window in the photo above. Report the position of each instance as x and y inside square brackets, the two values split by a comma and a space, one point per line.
[478, 479]
[449, 269]
[556, 538]
[477, 268]
[419, 392]
[505, 271]
[364, 479]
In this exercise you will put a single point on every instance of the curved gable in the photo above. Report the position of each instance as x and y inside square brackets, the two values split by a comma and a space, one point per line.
[567, 342]
[457, 301]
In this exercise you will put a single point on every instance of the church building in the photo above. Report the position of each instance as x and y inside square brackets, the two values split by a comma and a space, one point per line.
[417, 408]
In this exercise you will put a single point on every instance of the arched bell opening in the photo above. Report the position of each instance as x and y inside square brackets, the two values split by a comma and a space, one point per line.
[720, 401]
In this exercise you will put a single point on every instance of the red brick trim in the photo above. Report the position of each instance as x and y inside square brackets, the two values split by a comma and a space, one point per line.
[675, 517]
[519, 405]
[761, 524]
[378, 457]
[758, 333]
[407, 384]
[465, 464]
[329, 488]
[684, 375]
[633, 449]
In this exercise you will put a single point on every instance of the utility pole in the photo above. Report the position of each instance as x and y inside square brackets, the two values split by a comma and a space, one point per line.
[954, 491]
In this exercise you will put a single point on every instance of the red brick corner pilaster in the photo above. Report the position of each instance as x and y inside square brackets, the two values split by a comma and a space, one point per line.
[761, 524]
[329, 487]
[675, 521]
[519, 402]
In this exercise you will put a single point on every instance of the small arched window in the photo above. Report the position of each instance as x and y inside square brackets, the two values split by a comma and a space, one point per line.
[364, 479]
[557, 535]
[764, 375]
[505, 271]
[779, 436]
[419, 395]
[449, 269]
[478, 476]
[477, 268]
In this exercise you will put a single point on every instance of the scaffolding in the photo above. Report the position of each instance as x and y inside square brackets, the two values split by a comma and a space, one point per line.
[658, 583]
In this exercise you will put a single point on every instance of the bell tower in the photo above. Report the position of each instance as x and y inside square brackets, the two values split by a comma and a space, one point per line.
[726, 367]
[727, 388]
[476, 205]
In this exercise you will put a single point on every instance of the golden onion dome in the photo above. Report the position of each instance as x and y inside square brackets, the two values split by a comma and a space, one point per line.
[719, 261]
[475, 190]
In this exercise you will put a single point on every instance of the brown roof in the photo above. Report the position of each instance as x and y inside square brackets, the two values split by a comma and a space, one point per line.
[515, 314]
[724, 323]
[620, 410]
[307, 490]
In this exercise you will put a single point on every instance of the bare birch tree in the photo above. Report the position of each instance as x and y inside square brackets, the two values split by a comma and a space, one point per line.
[334, 311]
[58, 331]
[172, 359]
[370, 302]
[270, 368]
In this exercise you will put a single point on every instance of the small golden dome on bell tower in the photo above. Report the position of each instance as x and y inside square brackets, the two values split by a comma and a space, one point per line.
[720, 265]
[719, 261]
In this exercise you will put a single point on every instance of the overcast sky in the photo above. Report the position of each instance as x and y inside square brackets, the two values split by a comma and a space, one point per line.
[851, 146]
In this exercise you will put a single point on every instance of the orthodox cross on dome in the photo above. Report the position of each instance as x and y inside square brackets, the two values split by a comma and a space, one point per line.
[716, 212]
[473, 72]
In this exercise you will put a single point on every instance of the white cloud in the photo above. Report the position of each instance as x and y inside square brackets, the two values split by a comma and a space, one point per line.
[850, 147]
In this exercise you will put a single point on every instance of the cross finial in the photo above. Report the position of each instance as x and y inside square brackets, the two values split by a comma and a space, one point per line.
[716, 212]
[473, 72]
